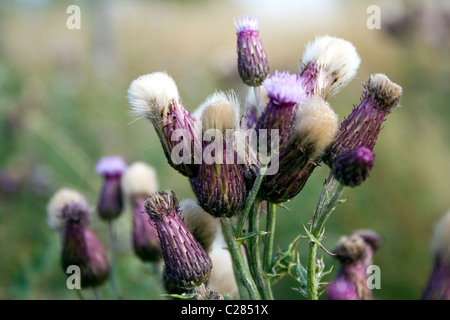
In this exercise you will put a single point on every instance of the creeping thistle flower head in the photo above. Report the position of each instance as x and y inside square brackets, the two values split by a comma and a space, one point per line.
[253, 66]
[80, 246]
[438, 287]
[60, 202]
[187, 264]
[222, 278]
[110, 202]
[138, 183]
[313, 129]
[202, 225]
[328, 64]
[364, 124]
[155, 97]
[355, 254]
[353, 167]
[255, 106]
[285, 92]
[220, 185]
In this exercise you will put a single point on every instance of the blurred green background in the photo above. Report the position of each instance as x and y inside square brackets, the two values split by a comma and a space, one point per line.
[63, 106]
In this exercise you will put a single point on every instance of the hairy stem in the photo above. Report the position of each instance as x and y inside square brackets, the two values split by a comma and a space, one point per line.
[241, 270]
[112, 244]
[268, 247]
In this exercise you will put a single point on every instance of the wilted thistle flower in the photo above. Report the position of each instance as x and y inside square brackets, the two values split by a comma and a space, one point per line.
[220, 185]
[155, 97]
[59, 200]
[353, 167]
[202, 225]
[187, 264]
[110, 202]
[363, 125]
[355, 254]
[80, 246]
[314, 128]
[328, 64]
[138, 183]
[253, 66]
[438, 287]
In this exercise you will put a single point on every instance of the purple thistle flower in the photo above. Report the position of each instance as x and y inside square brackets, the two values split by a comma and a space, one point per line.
[355, 254]
[187, 264]
[285, 92]
[313, 129]
[363, 125]
[438, 287]
[110, 202]
[253, 66]
[81, 247]
[353, 167]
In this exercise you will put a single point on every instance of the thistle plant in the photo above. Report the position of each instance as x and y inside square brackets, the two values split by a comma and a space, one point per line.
[243, 165]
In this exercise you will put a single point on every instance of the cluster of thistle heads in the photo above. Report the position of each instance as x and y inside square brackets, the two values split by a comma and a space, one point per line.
[292, 109]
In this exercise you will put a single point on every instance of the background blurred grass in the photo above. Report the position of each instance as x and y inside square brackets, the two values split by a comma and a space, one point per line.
[63, 106]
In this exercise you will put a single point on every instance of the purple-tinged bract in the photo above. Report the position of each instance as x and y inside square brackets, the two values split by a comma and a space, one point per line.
[353, 167]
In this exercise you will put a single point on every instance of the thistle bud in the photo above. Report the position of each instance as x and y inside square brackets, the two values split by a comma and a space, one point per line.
[328, 64]
[155, 97]
[138, 183]
[438, 287]
[110, 202]
[285, 91]
[80, 246]
[253, 66]
[353, 167]
[363, 125]
[313, 130]
[355, 254]
[202, 225]
[220, 185]
[187, 264]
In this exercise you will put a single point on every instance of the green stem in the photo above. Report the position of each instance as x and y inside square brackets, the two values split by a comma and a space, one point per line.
[112, 244]
[268, 248]
[97, 293]
[254, 258]
[240, 267]
[250, 200]
[325, 206]
[79, 294]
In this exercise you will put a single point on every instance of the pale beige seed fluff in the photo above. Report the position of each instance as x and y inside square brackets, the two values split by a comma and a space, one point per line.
[59, 200]
[386, 92]
[337, 57]
[151, 93]
[315, 126]
[219, 111]
[251, 99]
[222, 278]
[139, 180]
[350, 248]
[202, 225]
[441, 238]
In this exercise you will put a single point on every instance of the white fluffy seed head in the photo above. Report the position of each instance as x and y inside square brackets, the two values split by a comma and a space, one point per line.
[222, 278]
[202, 225]
[441, 238]
[58, 202]
[386, 93]
[139, 180]
[337, 59]
[149, 94]
[251, 99]
[219, 111]
[315, 126]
